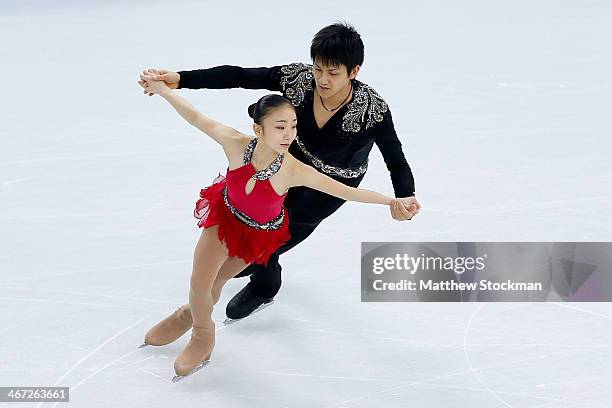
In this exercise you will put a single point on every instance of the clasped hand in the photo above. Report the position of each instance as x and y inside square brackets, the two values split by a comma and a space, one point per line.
[403, 209]
[154, 80]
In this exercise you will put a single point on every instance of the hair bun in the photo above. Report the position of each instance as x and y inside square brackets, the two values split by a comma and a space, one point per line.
[251, 110]
[260, 109]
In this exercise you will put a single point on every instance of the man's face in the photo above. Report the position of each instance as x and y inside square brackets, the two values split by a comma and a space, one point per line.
[331, 79]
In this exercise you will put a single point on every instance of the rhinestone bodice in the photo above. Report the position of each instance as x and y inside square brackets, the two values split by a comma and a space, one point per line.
[263, 203]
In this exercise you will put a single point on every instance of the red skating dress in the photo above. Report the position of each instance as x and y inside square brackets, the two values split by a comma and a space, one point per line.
[253, 226]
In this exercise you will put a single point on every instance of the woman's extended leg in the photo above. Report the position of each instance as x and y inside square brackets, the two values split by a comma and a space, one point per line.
[209, 255]
[170, 328]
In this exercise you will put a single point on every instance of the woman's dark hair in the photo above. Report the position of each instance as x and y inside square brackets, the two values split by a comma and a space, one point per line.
[338, 44]
[260, 109]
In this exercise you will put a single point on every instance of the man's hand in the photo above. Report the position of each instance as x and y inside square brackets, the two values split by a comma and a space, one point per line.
[153, 87]
[403, 209]
[171, 78]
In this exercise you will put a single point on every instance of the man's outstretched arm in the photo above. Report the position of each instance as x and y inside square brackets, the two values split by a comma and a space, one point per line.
[231, 76]
[221, 77]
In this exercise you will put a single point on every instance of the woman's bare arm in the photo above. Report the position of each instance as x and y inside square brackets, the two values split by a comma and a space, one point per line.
[304, 175]
[219, 132]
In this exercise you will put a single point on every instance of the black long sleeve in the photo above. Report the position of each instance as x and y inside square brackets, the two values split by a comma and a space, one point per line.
[230, 76]
[391, 148]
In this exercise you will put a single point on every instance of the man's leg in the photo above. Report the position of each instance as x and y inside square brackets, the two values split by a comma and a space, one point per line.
[307, 208]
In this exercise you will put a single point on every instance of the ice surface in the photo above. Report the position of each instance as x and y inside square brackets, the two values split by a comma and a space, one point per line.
[504, 110]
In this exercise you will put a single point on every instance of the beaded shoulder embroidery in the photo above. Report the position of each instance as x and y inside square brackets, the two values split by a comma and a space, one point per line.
[295, 80]
[366, 109]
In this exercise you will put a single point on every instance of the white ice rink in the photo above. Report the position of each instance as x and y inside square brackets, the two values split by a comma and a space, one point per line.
[504, 109]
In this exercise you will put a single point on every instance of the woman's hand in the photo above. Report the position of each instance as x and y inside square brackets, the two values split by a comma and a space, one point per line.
[153, 87]
[403, 209]
[171, 78]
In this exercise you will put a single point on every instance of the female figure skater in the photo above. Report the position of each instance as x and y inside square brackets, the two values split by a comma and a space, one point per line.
[242, 214]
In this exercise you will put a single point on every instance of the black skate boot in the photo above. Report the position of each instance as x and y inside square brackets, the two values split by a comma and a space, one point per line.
[245, 303]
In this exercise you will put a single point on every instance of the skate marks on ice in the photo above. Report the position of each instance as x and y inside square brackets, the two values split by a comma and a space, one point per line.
[477, 371]
[18, 180]
[92, 353]
[97, 350]
[568, 349]
[469, 362]
[81, 271]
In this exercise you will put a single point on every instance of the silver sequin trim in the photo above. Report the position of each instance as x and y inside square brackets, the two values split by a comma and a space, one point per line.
[272, 225]
[297, 78]
[269, 171]
[352, 172]
[367, 106]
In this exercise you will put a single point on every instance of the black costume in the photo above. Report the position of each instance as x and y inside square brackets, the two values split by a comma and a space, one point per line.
[340, 149]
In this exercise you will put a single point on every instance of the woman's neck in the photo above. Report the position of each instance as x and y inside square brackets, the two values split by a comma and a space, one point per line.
[263, 155]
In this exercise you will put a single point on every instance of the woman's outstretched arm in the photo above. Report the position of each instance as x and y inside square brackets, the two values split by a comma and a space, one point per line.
[219, 132]
[303, 175]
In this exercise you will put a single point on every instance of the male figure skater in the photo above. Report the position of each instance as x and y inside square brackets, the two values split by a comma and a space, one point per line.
[339, 120]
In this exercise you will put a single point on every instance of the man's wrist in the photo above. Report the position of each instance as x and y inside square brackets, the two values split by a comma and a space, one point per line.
[180, 74]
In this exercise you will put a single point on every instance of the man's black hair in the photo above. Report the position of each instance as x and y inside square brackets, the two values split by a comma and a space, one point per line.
[336, 44]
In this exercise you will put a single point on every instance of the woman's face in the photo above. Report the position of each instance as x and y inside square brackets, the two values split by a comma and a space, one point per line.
[279, 128]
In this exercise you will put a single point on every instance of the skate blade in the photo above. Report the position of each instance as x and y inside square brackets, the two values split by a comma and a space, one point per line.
[143, 345]
[229, 321]
[178, 378]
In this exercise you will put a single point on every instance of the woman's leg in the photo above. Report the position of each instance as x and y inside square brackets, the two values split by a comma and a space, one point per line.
[230, 268]
[210, 253]
[179, 322]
